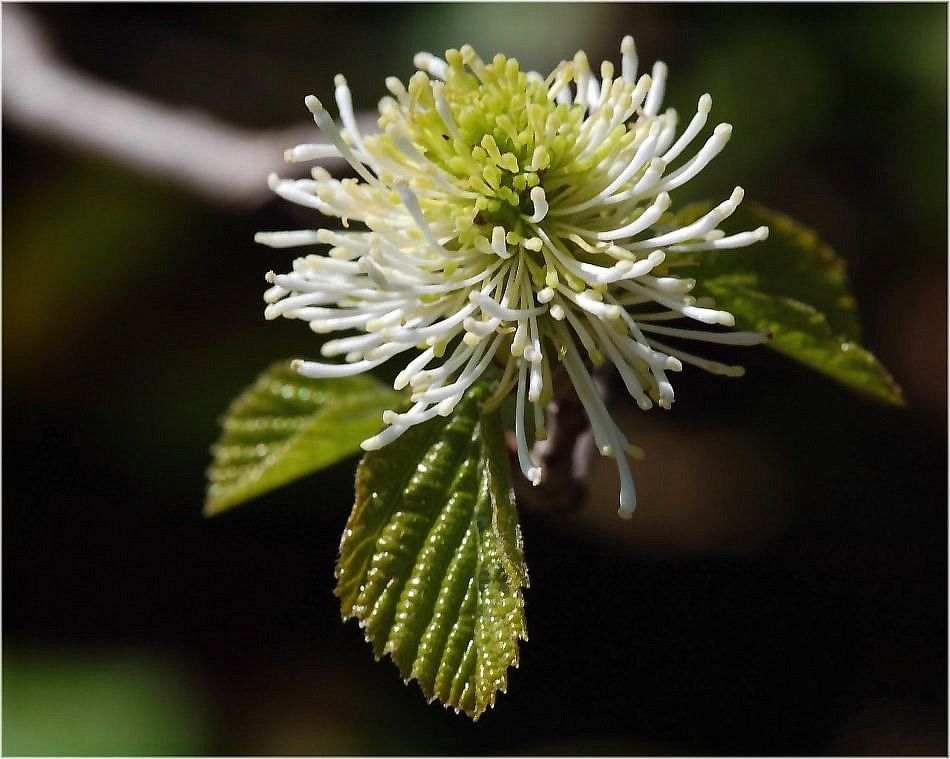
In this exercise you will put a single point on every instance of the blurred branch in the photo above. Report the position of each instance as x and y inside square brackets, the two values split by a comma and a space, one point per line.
[221, 162]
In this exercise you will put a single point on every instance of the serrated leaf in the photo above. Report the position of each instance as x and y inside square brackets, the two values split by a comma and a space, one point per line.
[431, 561]
[285, 426]
[795, 286]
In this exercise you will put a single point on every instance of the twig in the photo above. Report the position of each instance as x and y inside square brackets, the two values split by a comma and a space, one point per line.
[220, 162]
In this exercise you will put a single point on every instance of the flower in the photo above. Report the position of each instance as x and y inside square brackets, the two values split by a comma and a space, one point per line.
[511, 218]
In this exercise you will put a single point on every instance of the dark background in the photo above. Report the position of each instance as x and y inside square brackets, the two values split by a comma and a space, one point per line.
[782, 588]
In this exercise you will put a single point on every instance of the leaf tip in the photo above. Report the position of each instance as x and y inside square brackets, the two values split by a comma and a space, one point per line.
[895, 397]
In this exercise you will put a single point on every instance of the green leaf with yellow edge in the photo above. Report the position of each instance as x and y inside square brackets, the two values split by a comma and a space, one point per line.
[802, 332]
[794, 286]
[431, 561]
[285, 426]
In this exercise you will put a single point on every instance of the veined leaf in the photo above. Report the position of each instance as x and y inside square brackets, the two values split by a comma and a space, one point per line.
[431, 561]
[285, 426]
[795, 286]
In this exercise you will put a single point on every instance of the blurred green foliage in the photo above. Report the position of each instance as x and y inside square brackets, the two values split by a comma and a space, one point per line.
[77, 702]
[92, 233]
[776, 87]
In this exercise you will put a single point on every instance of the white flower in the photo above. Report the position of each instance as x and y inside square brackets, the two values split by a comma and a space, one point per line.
[507, 217]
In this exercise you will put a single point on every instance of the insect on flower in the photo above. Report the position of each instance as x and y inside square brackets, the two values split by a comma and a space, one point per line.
[511, 218]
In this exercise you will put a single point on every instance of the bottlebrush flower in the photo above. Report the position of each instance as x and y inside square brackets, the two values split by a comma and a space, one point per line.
[511, 218]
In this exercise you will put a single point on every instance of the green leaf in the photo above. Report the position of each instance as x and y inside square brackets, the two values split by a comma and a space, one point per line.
[795, 286]
[802, 332]
[431, 561]
[285, 426]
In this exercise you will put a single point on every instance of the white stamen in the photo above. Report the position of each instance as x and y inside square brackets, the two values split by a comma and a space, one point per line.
[646, 220]
[531, 471]
[431, 64]
[710, 150]
[699, 227]
[287, 239]
[413, 368]
[412, 206]
[740, 240]
[290, 190]
[695, 127]
[442, 106]
[383, 439]
[713, 367]
[723, 338]
[316, 370]
[311, 152]
[655, 98]
[498, 243]
[540, 205]
[323, 120]
[612, 437]
[344, 104]
[489, 305]
[628, 52]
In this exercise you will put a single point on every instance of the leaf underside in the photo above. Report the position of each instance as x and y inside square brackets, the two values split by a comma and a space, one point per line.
[794, 286]
[285, 426]
[431, 562]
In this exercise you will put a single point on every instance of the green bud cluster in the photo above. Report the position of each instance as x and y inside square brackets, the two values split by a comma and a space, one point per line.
[505, 134]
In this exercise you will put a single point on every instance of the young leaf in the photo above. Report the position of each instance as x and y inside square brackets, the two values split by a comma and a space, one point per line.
[285, 426]
[431, 561]
[795, 286]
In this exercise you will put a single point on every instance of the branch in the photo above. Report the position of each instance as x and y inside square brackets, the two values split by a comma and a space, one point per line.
[220, 162]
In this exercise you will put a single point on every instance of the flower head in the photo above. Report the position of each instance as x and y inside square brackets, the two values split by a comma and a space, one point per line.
[511, 218]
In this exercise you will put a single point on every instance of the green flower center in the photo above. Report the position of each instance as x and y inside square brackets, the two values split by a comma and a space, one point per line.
[495, 131]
